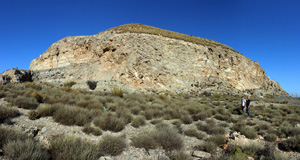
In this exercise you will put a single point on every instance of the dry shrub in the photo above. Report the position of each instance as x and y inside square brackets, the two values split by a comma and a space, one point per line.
[7, 112]
[144, 140]
[156, 121]
[33, 115]
[271, 137]
[217, 139]
[109, 121]
[249, 132]
[180, 156]
[207, 146]
[291, 144]
[9, 134]
[72, 115]
[25, 149]
[112, 145]
[117, 91]
[38, 96]
[92, 130]
[26, 102]
[138, 121]
[186, 119]
[48, 109]
[192, 132]
[72, 148]
[168, 137]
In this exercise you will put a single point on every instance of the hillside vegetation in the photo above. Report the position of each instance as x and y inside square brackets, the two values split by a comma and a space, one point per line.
[140, 28]
[171, 119]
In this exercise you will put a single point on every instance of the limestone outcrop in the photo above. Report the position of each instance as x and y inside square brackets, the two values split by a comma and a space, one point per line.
[145, 57]
[15, 76]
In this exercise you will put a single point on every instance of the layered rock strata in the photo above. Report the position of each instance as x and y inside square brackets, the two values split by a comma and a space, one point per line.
[149, 61]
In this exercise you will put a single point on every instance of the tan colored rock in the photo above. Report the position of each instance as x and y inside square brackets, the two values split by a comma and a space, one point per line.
[201, 154]
[145, 61]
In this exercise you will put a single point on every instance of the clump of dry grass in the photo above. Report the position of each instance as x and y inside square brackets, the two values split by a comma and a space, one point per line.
[192, 132]
[138, 121]
[92, 130]
[25, 149]
[112, 145]
[109, 121]
[72, 115]
[33, 115]
[26, 102]
[7, 112]
[68, 147]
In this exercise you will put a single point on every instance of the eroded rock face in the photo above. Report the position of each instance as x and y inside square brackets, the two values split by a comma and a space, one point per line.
[145, 61]
[15, 76]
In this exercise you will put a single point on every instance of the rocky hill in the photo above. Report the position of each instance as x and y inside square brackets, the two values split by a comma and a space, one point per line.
[145, 57]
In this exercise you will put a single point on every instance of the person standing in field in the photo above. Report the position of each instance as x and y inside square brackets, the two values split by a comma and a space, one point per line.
[243, 104]
[248, 103]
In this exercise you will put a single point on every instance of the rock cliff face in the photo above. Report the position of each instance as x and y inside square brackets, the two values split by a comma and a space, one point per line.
[145, 57]
[15, 76]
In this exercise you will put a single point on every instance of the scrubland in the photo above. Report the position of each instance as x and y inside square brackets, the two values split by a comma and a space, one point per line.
[207, 119]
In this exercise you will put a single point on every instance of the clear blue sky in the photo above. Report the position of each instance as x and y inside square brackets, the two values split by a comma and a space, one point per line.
[267, 31]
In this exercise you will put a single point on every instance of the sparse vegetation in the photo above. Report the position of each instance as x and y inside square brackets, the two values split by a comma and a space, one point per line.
[208, 118]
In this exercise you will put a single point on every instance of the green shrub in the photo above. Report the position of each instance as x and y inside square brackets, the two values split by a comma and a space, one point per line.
[92, 130]
[249, 132]
[218, 96]
[92, 84]
[26, 102]
[69, 84]
[112, 145]
[72, 115]
[271, 137]
[33, 115]
[25, 149]
[138, 121]
[239, 155]
[217, 139]
[192, 132]
[117, 91]
[109, 121]
[7, 112]
[72, 148]
[145, 140]
[252, 148]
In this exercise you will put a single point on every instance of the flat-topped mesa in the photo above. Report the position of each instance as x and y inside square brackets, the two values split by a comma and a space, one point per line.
[145, 57]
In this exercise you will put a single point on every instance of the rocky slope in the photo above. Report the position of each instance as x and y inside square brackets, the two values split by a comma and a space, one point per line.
[145, 57]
